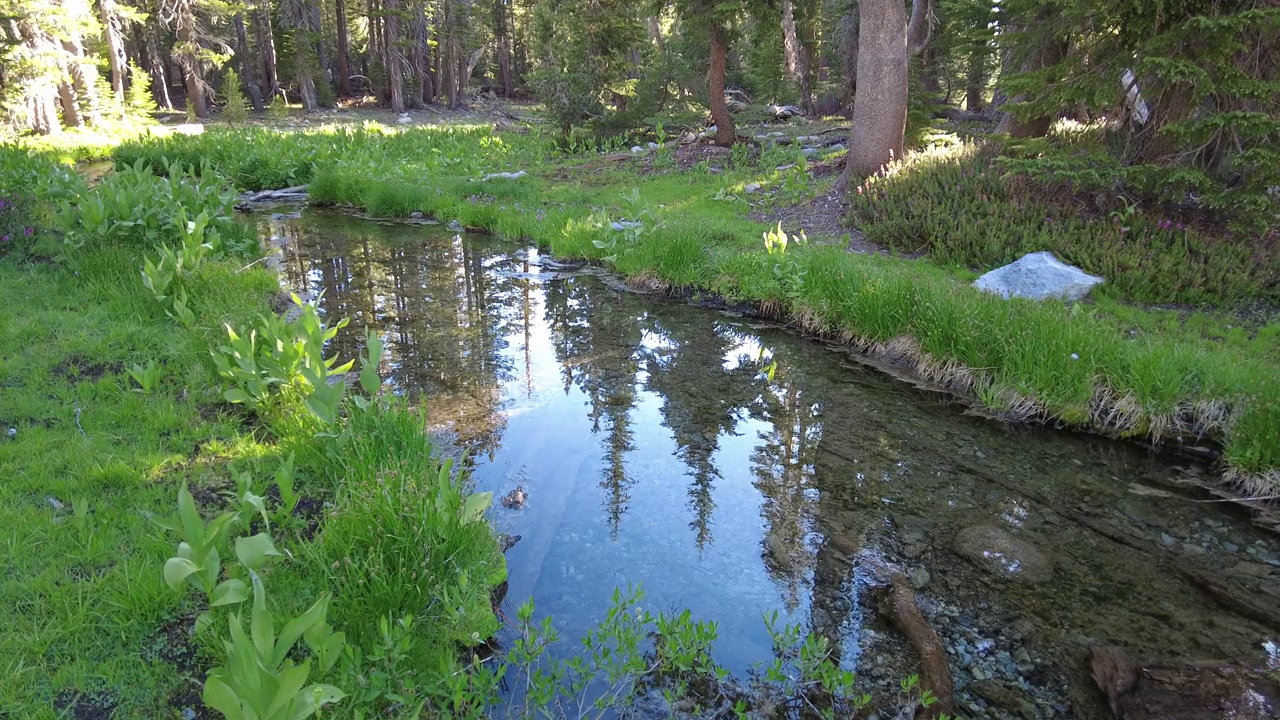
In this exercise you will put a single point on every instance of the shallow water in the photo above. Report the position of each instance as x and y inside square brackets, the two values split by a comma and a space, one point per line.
[735, 469]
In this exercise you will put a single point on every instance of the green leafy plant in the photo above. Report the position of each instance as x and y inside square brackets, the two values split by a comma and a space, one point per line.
[283, 358]
[146, 376]
[258, 680]
[786, 268]
[289, 496]
[197, 561]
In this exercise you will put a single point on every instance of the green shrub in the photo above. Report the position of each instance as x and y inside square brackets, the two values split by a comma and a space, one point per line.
[960, 206]
[135, 207]
[236, 109]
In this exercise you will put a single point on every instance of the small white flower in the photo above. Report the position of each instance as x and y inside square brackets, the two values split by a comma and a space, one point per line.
[1075, 356]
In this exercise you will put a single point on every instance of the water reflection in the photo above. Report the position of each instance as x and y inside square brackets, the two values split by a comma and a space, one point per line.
[735, 471]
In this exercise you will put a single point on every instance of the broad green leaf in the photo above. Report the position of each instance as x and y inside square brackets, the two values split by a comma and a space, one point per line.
[177, 569]
[290, 682]
[261, 625]
[192, 526]
[475, 506]
[219, 696]
[229, 592]
[295, 628]
[252, 552]
[235, 395]
[312, 698]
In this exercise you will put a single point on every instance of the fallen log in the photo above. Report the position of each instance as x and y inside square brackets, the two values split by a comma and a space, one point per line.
[935, 672]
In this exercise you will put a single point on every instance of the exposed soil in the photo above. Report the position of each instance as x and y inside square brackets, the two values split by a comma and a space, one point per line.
[78, 368]
[95, 705]
[174, 644]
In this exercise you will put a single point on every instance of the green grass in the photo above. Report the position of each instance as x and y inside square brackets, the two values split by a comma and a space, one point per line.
[1113, 367]
[88, 617]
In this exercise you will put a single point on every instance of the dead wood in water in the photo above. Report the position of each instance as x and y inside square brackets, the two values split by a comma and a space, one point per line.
[935, 673]
[1204, 690]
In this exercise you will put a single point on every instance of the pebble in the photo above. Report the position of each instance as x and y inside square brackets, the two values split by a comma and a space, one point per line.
[752, 188]
[1251, 568]
[919, 578]
[1193, 549]
[1230, 547]
[1168, 540]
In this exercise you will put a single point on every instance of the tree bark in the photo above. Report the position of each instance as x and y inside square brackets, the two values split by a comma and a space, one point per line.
[306, 78]
[116, 57]
[344, 66]
[976, 78]
[84, 79]
[1044, 55]
[880, 103]
[790, 43]
[247, 75]
[502, 35]
[725, 131]
[155, 66]
[418, 58]
[190, 62]
[391, 40]
[316, 26]
[267, 48]
[885, 43]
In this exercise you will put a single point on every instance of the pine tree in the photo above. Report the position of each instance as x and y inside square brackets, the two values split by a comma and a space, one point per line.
[235, 110]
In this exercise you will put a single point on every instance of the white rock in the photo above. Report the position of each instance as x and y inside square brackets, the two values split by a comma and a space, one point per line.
[810, 152]
[637, 149]
[404, 119]
[751, 189]
[653, 145]
[1038, 276]
[504, 176]
[836, 148]
[625, 225]
[709, 132]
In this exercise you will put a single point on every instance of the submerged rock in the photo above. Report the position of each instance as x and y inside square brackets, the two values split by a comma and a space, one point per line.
[1003, 554]
[1038, 276]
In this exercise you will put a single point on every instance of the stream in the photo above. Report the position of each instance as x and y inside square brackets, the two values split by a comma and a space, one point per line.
[736, 469]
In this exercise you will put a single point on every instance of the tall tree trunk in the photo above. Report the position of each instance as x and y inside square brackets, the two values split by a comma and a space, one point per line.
[316, 26]
[303, 64]
[344, 68]
[70, 110]
[1042, 56]
[247, 75]
[502, 34]
[84, 79]
[116, 57]
[190, 62]
[885, 43]
[977, 76]
[448, 54]
[267, 48]
[422, 42]
[790, 44]
[848, 25]
[416, 96]
[725, 131]
[395, 71]
[153, 62]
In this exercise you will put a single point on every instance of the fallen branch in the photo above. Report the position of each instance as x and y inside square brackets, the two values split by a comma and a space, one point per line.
[935, 671]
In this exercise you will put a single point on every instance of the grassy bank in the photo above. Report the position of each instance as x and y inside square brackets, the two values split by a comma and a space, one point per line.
[1113, 367]
[113, 407]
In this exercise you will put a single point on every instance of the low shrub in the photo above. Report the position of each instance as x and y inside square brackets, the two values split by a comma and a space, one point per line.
[962, 206]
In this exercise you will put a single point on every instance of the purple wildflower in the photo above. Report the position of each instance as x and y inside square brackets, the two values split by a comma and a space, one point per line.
[28, 231]
[1181, 226]
[4, 239]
